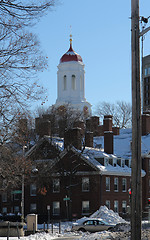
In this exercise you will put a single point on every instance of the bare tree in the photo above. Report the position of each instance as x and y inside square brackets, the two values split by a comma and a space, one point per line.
[121, 112]
[20, 58]
[62, 118]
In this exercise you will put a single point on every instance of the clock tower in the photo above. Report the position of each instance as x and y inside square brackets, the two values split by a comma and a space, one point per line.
[71, 82]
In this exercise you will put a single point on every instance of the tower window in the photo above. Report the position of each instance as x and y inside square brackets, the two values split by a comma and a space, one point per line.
[73, 82]
[65, 82]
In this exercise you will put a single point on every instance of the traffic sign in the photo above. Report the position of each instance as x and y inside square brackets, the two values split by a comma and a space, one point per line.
[16, 192]
[66, 198]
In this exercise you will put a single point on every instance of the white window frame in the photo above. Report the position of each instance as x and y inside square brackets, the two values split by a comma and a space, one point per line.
[107, 203]
[56, 208]
[116, 184]
[116, 206]
[124, 206]
[85, 184]
[107, 184]
[124, 183]
[85, 207]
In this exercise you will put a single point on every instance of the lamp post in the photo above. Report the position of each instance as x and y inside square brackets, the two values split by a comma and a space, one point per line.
[22, 197]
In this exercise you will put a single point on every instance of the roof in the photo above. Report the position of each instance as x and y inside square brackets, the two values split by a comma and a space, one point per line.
[92, 156]
[122, 144]
[71, 55]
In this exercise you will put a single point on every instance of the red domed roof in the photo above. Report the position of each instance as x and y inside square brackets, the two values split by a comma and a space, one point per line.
[70, 55]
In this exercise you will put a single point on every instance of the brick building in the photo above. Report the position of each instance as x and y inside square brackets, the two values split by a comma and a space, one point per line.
[75, 179]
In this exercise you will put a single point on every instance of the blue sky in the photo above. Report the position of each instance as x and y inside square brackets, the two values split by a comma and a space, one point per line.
[102, 36]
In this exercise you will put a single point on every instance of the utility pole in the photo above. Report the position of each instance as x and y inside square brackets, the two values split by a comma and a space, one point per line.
[136, 199]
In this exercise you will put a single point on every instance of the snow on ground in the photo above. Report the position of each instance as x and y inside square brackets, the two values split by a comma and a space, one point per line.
[108, 215]
[104, 213]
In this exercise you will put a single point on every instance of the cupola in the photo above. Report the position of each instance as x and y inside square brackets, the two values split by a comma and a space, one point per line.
[71, 55]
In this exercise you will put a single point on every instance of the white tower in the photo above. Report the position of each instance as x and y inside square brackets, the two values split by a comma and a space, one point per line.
[71, 81]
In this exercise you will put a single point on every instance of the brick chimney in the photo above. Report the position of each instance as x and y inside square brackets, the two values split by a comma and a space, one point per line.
[92, 125]
[108, 142]
[73, 137]
[107, 123]
[42, 127]
[108, 134]
[89, 139]
[145, 123]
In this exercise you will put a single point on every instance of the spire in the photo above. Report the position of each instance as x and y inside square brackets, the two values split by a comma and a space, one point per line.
[70, 37]
[71, 40]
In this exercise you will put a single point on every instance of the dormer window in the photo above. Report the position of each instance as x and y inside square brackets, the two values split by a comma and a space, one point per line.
[73, 82]
[111, 161]
[123, 163]
[106, 162]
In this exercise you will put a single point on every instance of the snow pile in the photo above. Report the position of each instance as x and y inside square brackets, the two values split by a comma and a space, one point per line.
[108, 215]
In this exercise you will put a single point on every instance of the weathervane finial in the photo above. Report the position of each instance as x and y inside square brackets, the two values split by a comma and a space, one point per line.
[70, 35]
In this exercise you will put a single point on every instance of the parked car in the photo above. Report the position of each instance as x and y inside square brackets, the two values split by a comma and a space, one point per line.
[91, 225]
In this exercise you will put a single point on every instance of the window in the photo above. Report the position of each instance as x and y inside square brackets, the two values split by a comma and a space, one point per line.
[149, 185]
[145, 71]
[85, 207]
[56, 208]
[33, 207]
[85, 184]
[115, 206]
[116, 184]
[4, 197]
[16, 209]
[123, 162]
[107, 183]
[107, 204]
[149, 165]
[73, 82]
[110, 161]
[148, 70]
[17, 196]
[33, 189]
[124, 205]
[4, 210]
[106, 162]
[65, 82]
[124, 185]
[56, 185]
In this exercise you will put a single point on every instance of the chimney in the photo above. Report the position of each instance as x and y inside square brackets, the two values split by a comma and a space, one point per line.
[73, 137]
[108, 142]
[80, 124]
[89, 139]
[108, 134]
[145, 123]
[42, 127]
[107, 123]
[116, 130]
[92, 125]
